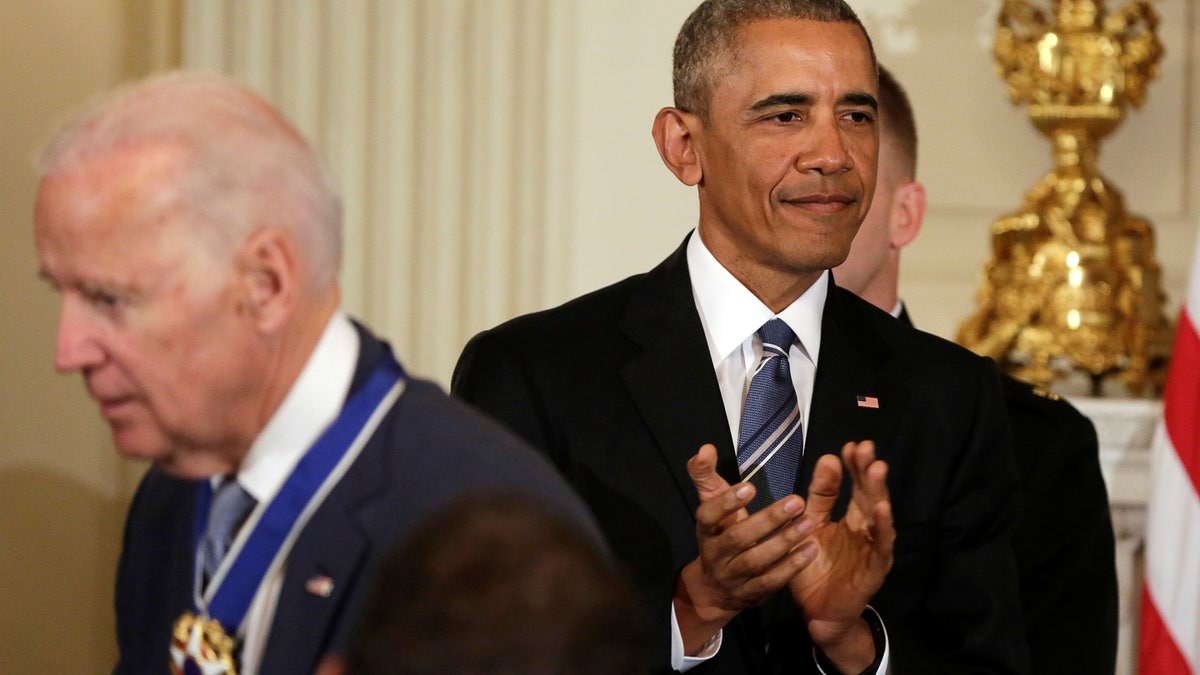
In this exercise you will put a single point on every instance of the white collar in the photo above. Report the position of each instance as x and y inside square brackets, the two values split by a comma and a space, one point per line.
[731, 314]
[313, 403]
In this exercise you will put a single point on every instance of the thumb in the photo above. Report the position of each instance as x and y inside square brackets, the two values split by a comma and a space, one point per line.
[823, 490]
[703, 470]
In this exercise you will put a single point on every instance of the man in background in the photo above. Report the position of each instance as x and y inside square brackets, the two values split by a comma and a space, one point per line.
[1064, 543]
[195, 240]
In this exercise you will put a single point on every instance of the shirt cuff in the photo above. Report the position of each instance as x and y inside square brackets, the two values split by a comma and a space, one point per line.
[682, 662]
[879, 632]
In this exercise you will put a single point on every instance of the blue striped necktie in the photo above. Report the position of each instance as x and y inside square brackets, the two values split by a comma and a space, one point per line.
[770, 440]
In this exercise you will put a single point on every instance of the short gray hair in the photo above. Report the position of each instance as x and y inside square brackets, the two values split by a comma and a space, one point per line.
[710, 34]
[244, 165]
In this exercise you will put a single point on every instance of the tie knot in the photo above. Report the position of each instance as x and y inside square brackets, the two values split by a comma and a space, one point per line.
[230, 506]
[776, 334]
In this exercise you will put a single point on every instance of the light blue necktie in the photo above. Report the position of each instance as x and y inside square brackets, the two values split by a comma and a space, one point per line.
[229, 507]
[771, 440]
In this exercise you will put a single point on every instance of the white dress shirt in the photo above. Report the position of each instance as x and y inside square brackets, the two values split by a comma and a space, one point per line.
[731, 316]
[313, 403]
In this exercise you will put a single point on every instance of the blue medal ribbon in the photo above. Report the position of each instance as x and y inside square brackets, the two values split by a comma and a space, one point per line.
[230, 594]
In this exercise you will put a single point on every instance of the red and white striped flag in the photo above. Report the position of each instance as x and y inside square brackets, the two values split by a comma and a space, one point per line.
[1171, 597]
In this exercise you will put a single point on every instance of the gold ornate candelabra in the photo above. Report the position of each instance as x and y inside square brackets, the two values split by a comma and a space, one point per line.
[1072, 284]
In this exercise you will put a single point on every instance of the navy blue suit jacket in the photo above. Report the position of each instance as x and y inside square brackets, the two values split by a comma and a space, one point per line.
[617, 388]
[427, 451]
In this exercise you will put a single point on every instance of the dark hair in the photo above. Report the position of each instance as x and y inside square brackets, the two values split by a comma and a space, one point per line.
[897, 121]
[498, 584]
[709, 36]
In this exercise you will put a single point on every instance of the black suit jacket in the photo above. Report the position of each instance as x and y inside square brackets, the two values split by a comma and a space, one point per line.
[617, 388]
[427, 451]
[1064, 544]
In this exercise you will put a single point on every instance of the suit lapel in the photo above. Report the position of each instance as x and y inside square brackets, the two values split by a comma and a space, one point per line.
[326, 561]
[323, 569]
[852, 363]
[671, 381]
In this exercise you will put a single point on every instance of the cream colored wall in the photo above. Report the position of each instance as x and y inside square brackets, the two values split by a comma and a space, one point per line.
[629, 212]
[62, 489]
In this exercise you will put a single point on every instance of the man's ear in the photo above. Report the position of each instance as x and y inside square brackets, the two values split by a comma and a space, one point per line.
[267, 268]
[674, 134]
[908, 212]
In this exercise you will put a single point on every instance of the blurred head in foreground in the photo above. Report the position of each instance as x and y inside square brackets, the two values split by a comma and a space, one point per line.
[497, 584]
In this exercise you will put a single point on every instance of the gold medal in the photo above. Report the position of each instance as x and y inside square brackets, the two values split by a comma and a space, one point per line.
[200, 646]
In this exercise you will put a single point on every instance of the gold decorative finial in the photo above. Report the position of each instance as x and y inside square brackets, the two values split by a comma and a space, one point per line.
[1072, 284]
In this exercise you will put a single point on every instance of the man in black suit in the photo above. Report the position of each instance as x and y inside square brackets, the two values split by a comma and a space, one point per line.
[905, 565]
[1064, 544]
[195, 239]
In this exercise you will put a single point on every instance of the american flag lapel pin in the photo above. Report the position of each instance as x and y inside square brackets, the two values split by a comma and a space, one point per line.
[868, 402]
[320, 585]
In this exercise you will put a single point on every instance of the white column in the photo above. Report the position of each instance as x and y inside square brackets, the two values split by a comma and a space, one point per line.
[447, 124]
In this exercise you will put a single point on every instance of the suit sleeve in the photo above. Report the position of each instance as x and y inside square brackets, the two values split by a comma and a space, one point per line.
[1065, 546]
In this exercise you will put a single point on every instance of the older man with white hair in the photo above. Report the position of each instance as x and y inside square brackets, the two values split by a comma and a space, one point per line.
[195, 239]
